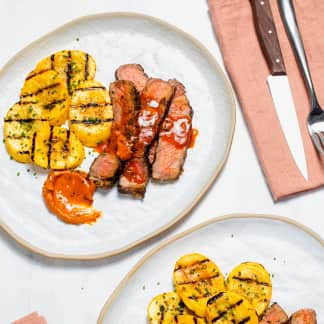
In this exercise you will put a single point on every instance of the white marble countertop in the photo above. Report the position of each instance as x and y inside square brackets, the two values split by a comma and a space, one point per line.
[74, 292]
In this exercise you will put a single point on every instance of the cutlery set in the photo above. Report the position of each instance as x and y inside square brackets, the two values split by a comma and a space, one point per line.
[278, 80]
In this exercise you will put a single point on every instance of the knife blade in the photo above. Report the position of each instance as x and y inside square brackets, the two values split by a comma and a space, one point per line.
[278, 81]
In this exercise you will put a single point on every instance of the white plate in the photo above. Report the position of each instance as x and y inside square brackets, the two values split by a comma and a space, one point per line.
[164, 51]
[293, 254]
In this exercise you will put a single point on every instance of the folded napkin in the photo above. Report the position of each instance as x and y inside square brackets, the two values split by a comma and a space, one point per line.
[32, 318]
[247, 68]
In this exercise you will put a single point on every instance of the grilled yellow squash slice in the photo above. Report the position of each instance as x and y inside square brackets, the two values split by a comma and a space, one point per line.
[66, 151]
[34, 140]
[19, 138]
[73, 67]
[22, 125]
[48, 92]
[91, 113]
[41, 146]
[196, 279]
[228, 307]
[168, 308]
[252, 281]
[164, 307]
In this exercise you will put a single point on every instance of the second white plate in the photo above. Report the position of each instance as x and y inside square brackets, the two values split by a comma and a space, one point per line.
[290, 252]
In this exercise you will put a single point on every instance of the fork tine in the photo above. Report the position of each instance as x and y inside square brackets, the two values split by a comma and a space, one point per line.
[318, 143]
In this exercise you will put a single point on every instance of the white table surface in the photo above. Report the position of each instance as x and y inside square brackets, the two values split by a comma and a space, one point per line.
[74, 292]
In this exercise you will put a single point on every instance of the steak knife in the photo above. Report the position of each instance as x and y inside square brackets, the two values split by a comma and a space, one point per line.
[278, 81]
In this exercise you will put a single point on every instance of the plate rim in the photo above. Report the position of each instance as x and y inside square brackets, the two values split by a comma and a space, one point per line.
[109, 301]
[184, 213]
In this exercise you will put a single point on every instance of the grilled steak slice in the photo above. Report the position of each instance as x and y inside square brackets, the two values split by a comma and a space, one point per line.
[274, 315]
[303, 316]
[134, 73]
[106, 167]
[173, 138]
[125, 106]
[134, 178]
[155, 99]
[104, 170]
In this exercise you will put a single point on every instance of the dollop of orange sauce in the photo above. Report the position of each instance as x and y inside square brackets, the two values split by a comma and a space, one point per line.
[193, 137]
[177, 130]
[69, 195]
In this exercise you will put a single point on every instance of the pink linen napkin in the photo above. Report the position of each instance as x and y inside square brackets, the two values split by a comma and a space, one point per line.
[32, 318]
[247, 68]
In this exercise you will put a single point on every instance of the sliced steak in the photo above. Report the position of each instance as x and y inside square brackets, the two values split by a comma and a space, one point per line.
[274, 315]
[134, 178]
[134, 73]
[125, 103]
[155, 99]
[174, 137]
[106, 167]
[104, 170]
[303, 316]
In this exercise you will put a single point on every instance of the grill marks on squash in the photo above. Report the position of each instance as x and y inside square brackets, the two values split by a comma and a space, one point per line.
[91, 113]
[69, 72]
[48, 92]
[33, 74]
[73, 67]
[230, 307]
[86, 67]
[52, 61]
[197, 278]
[44, 102]
[49, 147]
[40, 90]
[249, 280]
[252, 281]
[54, 79]
[90, 88]
[91, 121]
[29, 140]
[66, 151]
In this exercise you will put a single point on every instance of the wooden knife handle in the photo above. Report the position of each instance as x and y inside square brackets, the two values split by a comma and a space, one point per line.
[267, 35]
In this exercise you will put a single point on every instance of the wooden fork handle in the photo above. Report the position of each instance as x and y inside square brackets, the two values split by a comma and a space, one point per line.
[267, 34]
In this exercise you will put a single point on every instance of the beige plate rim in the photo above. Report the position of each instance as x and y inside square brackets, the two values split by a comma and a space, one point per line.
[191, 230]
[219, 168]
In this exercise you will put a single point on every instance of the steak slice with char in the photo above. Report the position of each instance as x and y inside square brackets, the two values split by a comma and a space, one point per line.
[155, 99]
[274, 315]
[106, 167]
[135, 177]
[125, 103]
[104, 170]
[134, 73]
[174, 137]
[303, 316]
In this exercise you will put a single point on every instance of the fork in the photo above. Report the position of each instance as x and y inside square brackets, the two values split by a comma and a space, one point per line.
[315, 121]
